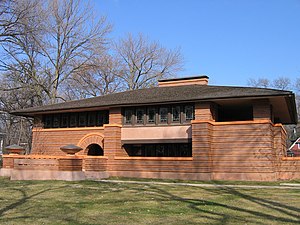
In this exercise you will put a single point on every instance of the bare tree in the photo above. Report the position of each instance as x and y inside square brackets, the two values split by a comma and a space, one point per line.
[260, 82]
[100, 78]
[144, 62]
[43, 45]
[12, 15]
[282, 83]
[72, 40]
[58, 43]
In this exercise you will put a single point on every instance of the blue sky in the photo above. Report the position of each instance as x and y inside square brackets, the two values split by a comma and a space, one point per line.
[228, 40]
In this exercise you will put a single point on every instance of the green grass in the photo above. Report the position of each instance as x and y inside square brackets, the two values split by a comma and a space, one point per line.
[92, 202]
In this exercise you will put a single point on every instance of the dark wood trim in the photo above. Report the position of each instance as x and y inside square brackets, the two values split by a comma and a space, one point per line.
[157, 141]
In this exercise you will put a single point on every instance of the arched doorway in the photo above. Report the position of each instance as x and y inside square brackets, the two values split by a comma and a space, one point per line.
[94, 150]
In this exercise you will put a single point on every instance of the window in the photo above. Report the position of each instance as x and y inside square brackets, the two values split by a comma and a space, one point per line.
[82, 120]
[176, 114]
[56, 121]
[140, 116]
[151, 115]
[64, 120]
[102, 118]
[159, 150]
[48, 122]
[92, 119]
[189, 112]
[73, 119]
[163, 114]
[128, 116]
[89, 119]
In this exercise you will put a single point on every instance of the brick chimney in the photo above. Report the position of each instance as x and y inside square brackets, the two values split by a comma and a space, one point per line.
[200, 80]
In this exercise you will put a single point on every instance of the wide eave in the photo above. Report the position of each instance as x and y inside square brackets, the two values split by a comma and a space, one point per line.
[161, 95]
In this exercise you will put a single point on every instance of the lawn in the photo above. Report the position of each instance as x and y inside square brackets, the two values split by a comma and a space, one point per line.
[93, 202]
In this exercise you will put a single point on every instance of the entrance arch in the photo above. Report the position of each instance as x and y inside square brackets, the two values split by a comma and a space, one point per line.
[94, 150]
[89, 140]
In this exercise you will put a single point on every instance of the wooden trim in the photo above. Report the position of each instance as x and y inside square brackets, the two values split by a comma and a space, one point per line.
[112, 125]
[157, 141]
[66, 129]
[156, 158]
[290, 158]
[233, 122]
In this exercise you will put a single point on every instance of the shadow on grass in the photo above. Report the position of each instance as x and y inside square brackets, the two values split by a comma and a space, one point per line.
[237, 212]
[23, 199]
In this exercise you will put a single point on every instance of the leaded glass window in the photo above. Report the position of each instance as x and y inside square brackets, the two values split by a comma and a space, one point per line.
[189, 112]
[163, 114]
[176, 114]
[140, 116]
[128, 116]
[151, 115]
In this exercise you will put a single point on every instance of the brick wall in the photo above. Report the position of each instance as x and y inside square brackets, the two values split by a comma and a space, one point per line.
[49, 141]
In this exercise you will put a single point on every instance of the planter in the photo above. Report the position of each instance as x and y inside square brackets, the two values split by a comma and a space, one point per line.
[14, 149]
[70, 149]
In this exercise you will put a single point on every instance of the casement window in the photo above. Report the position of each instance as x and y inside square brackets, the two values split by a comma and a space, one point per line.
[163, 114]
[189, 112]
[102, 118]
[139, 115]
[64, 120]
[128, 116]
[56, 121]
[158, 115]
[151, 115]
[48, 122]
[159, 150]
[84, 119]
[92, 119]
[73, 120]
[176, 113]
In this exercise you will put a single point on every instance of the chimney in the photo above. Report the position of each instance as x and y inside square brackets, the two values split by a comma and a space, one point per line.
[199, 80]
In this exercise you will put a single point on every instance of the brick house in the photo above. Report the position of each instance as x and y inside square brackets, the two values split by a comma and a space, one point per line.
[182, 129]
[295, 148]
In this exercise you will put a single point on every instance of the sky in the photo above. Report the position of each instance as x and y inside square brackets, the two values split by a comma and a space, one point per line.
[228, 40]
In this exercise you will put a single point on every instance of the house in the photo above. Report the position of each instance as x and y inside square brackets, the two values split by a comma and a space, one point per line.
[182, 129]
[295, 148]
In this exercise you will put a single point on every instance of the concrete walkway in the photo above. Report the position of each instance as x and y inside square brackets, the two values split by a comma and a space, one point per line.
[281, 186]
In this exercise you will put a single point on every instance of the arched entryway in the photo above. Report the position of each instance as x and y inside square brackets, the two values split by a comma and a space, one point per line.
[94, 150]
[93, 142]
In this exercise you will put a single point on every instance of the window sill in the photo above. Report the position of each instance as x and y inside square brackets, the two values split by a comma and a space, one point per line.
[157, 125]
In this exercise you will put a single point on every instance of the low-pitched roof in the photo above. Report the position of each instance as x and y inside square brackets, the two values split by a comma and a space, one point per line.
[158, 95]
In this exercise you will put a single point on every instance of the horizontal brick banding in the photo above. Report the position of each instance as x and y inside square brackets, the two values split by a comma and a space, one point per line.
[48, 142]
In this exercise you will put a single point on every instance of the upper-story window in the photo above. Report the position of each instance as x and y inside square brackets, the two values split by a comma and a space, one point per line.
[189, 112]
[128, 114]
[56, 121]
[151, 114]
[83, 119]
[156, 115]
[176, 113]
[140, 115]
[163, 114]
[64, 120]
